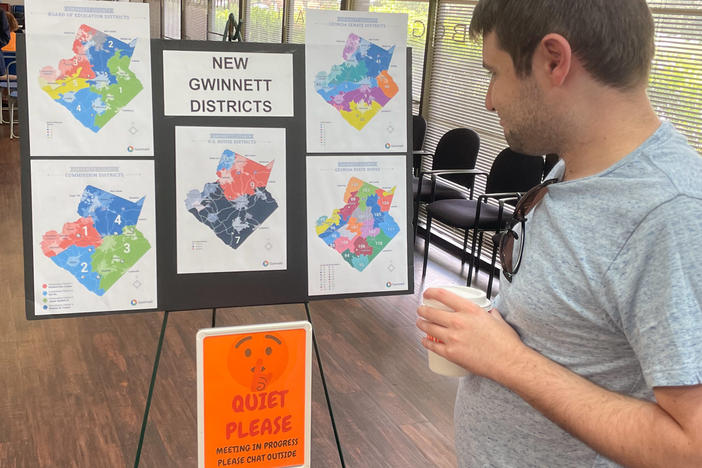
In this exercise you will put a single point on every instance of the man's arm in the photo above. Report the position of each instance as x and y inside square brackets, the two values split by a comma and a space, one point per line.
[627, 430]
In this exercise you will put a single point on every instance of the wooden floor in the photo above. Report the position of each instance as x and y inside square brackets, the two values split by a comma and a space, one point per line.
[73, 390]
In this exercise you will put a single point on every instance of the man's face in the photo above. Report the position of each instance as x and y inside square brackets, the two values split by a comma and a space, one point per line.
[517, 101]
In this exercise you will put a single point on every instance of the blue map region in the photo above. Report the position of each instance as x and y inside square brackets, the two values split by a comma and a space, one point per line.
[226, 161]
[233, 221]
[102, 47]
[332, 233]
[359, 262]
[374, 57]
[78, 261]
[110, 213]
[387, 225]
[85, 105]
[343, 88]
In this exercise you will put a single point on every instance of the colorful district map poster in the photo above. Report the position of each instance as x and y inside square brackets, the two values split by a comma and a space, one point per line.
[356, 224]
[230, 199]
[89, 78]
[94, 236]
[356, 79]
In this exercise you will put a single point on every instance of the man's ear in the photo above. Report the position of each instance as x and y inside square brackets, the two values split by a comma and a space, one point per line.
[553, 57]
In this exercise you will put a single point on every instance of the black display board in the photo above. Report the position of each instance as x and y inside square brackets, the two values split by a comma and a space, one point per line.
[208, 290]
[214, 290]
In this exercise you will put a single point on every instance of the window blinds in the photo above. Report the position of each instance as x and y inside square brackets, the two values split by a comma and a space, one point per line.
[676, 75]
[171, 19]
[195, 20]
[296, 16]
[263, 21]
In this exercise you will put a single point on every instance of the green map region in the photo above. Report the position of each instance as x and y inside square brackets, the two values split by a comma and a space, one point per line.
[362, 228]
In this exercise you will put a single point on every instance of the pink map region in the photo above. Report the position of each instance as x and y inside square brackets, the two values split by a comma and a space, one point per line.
[70, 68]
[361, 247]
[243, 177]
[81, 233]
[349, 208]
[384, 200]
[342, 243]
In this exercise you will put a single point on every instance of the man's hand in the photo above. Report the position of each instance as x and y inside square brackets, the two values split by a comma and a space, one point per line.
[481, 342]
[627, 430]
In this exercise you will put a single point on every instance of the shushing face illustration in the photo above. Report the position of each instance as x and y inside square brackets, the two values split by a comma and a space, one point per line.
[256, 360]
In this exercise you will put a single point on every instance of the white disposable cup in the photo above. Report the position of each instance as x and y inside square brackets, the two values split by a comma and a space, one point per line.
[437, 363]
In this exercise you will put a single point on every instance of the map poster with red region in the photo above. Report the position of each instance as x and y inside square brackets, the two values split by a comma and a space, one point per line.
[230, 199]
[356, 224]
[89, 78]
[254, 388]
[93, 236]
[356, 81]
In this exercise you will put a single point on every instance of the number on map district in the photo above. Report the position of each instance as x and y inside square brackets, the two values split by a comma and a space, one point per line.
[110, 44]
[78, 108]
[75, 60]
[126, 247]
[238, 239]
[84, 267]
[85, 230]
[118, 219]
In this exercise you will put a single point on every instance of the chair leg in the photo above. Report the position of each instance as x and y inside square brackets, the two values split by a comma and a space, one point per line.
[472, 256]
[12, 121]
[463, 252]
[426, 246]
[478, 254]
[492, 269]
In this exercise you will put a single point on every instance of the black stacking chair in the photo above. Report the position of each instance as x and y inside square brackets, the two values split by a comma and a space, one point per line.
[511, 175]
[453, 160]
[419, 130]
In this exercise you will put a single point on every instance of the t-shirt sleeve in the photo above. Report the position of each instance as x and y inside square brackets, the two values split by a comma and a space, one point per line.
[654, 287]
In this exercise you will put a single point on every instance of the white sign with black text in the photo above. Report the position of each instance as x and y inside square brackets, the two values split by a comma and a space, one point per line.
[227, 84]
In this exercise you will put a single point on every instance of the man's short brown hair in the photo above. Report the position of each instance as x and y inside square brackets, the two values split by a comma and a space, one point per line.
[614, 39]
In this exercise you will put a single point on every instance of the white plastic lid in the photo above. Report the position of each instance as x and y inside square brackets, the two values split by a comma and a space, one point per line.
[472, 294]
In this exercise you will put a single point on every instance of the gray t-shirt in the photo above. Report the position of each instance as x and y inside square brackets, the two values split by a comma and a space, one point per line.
[610, 288]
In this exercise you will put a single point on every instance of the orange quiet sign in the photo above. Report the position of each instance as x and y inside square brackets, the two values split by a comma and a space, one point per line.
[253, 392]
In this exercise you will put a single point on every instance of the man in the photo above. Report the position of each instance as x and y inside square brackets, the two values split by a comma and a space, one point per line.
[592, 356]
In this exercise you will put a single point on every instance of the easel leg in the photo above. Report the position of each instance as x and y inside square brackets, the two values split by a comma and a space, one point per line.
[324, 384]
[214, 317]
[151, 388]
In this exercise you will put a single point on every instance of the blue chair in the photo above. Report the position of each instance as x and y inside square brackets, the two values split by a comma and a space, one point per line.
[8, 88]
